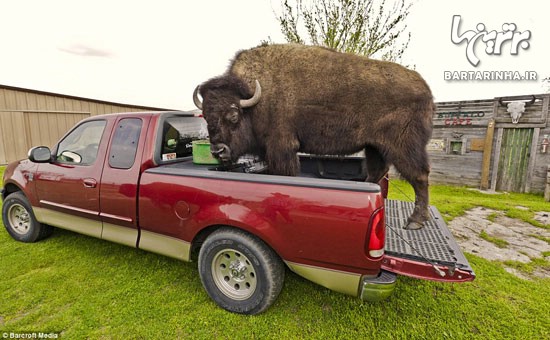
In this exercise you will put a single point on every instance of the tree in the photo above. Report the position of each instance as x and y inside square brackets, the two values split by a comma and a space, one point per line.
[364, 27]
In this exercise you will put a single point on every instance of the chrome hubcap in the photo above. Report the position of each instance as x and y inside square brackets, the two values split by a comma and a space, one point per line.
[19, 219]
[234, 274]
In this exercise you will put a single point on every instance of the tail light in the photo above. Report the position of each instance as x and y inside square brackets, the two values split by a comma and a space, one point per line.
[377, 234]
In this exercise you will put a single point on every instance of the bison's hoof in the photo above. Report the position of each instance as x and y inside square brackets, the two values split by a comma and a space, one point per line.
[413, 226]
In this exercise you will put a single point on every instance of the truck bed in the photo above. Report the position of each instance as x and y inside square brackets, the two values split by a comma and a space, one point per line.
[305, 178]
[432, 250]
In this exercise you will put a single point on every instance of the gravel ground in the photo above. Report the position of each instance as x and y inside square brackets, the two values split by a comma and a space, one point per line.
[523, 244]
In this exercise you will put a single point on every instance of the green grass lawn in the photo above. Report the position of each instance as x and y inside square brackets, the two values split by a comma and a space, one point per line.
[82, 287]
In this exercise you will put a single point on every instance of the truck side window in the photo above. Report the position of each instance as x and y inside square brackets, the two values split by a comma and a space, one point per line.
[125, 143]
[80, 146]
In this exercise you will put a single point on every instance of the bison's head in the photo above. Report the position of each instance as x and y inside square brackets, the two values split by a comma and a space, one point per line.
[225, 100]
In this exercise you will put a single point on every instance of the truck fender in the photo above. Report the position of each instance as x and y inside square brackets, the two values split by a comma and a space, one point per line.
[20, 176]
[243, 218]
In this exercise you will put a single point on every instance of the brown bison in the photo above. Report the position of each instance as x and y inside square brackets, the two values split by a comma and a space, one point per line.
[277, 100]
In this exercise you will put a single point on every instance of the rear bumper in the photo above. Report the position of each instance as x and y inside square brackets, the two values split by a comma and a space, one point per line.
[426, 271]
[378, 288]
[366, 287]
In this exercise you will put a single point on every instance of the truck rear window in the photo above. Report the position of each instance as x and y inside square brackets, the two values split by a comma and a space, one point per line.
[178, 133]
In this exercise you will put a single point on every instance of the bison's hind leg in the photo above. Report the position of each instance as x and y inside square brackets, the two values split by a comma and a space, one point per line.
[377, 167]
[414, 166]
[421, 213]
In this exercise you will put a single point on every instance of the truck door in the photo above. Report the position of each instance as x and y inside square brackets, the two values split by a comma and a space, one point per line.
[68, 187]
[119, 183]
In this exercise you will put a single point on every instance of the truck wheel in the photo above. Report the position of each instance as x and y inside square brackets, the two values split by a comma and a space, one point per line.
[240, 272]
[19, 219]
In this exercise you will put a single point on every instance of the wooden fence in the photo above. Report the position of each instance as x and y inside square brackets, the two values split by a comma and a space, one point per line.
[475, 143]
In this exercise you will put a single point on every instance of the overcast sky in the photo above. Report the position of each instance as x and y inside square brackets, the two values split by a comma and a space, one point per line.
[154, 53]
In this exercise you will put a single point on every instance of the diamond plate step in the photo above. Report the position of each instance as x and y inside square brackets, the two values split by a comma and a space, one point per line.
[434, 242]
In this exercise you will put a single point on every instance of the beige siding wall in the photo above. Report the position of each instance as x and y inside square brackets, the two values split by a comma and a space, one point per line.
[14, 139]
[21, 100]
[30, 118]
[45, 128]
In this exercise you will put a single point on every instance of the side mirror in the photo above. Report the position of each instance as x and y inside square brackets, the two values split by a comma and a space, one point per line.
[69, 156]
[40, 154]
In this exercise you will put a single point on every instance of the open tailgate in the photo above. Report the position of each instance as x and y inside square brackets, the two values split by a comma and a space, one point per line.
[430, 253]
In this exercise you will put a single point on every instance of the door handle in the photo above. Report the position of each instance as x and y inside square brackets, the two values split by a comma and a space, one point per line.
[89, 183]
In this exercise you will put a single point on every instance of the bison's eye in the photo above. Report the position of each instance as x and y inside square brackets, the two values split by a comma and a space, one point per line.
[233, 114]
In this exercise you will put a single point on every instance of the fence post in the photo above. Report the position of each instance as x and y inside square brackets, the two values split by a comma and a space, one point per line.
[487, 151]
[547, 188]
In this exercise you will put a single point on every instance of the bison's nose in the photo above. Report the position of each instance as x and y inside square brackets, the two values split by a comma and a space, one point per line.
[217, 149]
[221, 151]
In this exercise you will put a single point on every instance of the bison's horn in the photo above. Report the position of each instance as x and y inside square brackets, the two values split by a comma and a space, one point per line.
[532, 101]
[196, 99]
[500, 102]
[255, 98]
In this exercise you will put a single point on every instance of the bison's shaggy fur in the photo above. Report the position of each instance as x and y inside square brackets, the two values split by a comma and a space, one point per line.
[319, 101]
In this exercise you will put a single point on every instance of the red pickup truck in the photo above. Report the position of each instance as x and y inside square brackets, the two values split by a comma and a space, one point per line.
[130, 178]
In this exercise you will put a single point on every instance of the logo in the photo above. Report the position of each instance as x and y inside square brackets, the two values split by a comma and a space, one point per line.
[493, 40]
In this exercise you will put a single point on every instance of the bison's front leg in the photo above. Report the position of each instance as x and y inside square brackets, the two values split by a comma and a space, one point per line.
[377, 167]
[282, 158]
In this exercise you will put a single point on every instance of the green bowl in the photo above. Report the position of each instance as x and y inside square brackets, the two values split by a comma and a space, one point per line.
[201, 153]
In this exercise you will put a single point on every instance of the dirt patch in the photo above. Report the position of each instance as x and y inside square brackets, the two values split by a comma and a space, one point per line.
[489, 234]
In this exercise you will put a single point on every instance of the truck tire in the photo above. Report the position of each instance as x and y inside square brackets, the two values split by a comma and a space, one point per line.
[19, 219]
[240, 272]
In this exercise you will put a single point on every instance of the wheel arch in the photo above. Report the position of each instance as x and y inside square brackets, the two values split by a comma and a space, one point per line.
[10, 188]
[203, 234]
